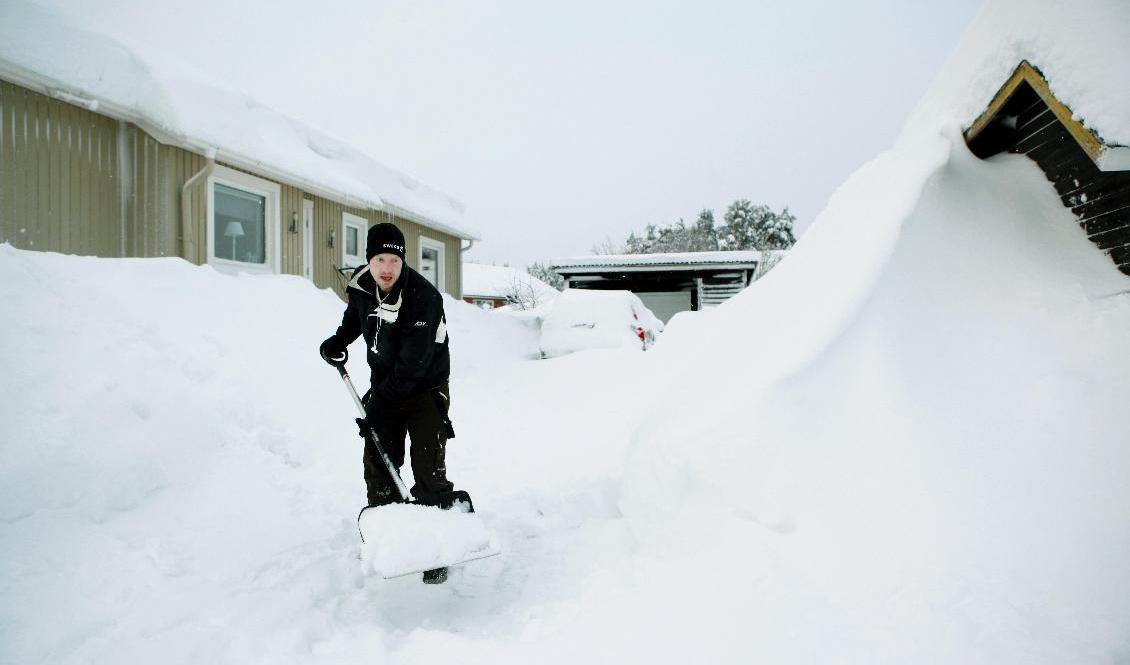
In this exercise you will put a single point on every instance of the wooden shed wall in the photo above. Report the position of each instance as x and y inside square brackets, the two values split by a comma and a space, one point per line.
[1099, 199]
[75, 181]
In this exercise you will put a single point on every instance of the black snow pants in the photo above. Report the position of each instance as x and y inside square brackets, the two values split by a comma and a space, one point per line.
[421, 418]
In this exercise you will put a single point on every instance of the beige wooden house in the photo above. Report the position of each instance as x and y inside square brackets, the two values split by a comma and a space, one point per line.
[86, 171]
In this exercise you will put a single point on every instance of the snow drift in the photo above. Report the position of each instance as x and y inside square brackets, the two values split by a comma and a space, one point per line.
[911, 427]
[904, 444]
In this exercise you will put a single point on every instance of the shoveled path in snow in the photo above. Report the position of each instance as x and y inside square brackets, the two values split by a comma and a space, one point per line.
[181, 478]
[541, 448]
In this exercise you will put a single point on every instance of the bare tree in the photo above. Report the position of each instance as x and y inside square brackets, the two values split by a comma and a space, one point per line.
[606, 247]
[520, 294]
[769, 258]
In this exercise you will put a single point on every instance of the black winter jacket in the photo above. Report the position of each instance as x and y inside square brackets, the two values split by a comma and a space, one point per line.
[406, 333]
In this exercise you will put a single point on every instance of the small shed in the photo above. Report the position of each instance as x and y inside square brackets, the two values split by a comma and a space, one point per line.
[1091, 174]
[669, 283]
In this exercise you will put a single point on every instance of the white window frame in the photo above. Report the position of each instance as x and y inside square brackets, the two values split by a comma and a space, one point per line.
[441, 268]
[362, 225]
[271, 192]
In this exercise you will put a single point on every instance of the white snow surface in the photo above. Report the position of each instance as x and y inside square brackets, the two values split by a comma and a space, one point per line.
[404, 538]
[923, 460]
[184, 104]
[906, 443]
[181, 476]
[584, 319]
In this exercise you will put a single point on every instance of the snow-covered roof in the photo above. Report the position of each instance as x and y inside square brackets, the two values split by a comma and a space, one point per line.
[1082, 49]
[499, 281]
[675, 260]
[180, 106]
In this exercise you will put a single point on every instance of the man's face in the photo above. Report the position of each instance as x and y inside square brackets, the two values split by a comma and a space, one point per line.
[386, 270]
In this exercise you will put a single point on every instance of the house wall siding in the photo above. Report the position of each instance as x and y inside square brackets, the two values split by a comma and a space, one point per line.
[75, 181]
[60, 177]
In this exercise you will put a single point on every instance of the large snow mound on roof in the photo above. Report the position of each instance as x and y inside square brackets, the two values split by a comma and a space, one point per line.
[182, 102]
[1082, 48]
[942, 473]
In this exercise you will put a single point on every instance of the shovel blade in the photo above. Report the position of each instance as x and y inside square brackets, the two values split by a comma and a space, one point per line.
[441, 531]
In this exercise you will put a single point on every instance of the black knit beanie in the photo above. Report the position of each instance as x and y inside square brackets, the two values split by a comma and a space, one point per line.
[384, 238]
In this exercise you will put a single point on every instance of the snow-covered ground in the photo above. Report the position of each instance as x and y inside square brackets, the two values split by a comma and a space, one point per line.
[907, 443]
[938, 475]
[181, 474]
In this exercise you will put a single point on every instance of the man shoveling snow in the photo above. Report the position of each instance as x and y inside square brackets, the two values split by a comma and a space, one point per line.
[400, 314]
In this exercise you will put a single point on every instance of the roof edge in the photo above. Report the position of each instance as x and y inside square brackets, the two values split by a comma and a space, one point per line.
[1026, 72]
[644, 267]
[64, 92]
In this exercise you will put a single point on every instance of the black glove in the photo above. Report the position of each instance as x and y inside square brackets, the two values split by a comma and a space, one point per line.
[333, 351]
[375, 406]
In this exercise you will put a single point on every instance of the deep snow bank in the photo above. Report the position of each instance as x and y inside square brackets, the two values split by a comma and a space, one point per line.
[947, 473]
[912, 428]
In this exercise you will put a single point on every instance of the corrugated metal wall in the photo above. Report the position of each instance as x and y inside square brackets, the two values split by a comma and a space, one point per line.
[77, 182]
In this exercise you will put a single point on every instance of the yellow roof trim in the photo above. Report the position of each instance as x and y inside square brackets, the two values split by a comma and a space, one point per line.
[1025, 72]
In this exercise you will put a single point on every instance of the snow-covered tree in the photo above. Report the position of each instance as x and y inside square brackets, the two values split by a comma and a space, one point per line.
[746, 227]
[546, 274]
[749, 226]
[703, 236]
[777, 231]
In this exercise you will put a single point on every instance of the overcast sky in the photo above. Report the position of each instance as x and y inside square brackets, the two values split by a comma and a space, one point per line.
[560, 124]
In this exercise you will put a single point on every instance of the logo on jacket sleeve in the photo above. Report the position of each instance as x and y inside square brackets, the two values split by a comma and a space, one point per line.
[421, 324]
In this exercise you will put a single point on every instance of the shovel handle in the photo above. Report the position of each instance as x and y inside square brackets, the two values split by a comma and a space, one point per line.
[339, 365]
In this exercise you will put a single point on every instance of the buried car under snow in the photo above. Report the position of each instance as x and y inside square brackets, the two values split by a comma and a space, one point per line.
[587, 319]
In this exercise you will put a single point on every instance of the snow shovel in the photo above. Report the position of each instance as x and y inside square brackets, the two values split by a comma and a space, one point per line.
[417, 535]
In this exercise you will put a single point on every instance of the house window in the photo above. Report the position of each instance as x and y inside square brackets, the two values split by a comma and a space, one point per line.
[353, 229]
[242, 222]
[241, 225]
[432, 255]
